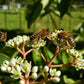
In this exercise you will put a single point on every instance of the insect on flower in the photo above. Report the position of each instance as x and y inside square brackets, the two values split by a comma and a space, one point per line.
[39, 34]
[67, 37]
[3, 36]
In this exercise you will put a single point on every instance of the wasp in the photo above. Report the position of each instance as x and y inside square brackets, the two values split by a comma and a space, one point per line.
[3, 36]
[39, 34]
[67, 37]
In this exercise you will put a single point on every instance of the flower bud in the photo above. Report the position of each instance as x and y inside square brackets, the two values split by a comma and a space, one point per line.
[13, 62]
[58, 73]
[21, 82]
[3, 68]
[56, 79]
[34, 75]
[35, 69]
[46, 68]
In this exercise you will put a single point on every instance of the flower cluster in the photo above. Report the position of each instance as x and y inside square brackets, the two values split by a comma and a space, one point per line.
[80, 63]
[73, 52]
[53, 73]
[16, 41]
[19, 66]
[40, 43]
[54, 36]
[79, 56]
[13, 66]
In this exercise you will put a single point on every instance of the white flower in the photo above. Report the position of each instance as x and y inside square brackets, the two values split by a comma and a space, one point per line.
[26, 67]
[10, 43]
[19, 39]
[39, 44]
[6, 62]
[15, 39]
[16, 74]
[34, 75]
[46, 68]
[58, 73]
[25, 38]
[21, 82]
[12, 63]
[56, 79]
[17, 43]
[76, 53]
[20, 60]
[35, 69]
[18, 68]
[9, 69]
[3, 68]
[52, 72]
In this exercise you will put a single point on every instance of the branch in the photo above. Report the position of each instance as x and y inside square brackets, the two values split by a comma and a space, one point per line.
[42, 56]
[56, 53]
[28, 51]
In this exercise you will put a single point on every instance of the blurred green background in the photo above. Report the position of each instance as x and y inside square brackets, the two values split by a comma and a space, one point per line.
[27, 16]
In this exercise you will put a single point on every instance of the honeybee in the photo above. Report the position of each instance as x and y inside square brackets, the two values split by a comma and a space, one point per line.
[39, 34]
[66, 36]
[3, 36]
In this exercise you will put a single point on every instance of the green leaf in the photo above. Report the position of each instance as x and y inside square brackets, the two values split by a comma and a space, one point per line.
[48, 55]
[63, 6]
[44, 3]
[68, 80]
[37, 58]
[79, 30]
[33, 13]
[11, 52]
[3, 57]
[65, 57]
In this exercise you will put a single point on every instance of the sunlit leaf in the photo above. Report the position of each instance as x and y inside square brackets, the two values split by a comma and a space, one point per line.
[48, 55]
[65, 57]
[37, 57]
[68, 80]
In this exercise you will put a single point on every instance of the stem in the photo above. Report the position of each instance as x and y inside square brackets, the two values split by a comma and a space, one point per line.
[27, 81]
[28, 51]
[61, 65]
[56, 53]
[23, 47]
[22, 78]
[42, 56]
[19, 50]
[43, 81]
